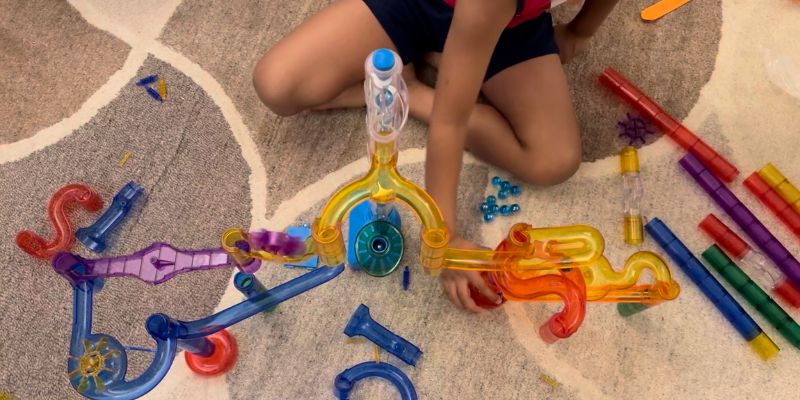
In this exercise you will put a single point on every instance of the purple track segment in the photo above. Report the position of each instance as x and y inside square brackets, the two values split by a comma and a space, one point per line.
[757, 232]
[154, 264]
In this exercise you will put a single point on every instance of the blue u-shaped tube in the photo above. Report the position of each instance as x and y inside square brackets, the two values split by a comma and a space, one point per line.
[345, 381]
[169, 334]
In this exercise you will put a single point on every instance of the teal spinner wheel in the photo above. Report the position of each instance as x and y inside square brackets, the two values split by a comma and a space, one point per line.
[379, 248]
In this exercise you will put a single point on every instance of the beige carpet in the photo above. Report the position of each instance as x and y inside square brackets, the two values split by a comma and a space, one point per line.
[212, 157]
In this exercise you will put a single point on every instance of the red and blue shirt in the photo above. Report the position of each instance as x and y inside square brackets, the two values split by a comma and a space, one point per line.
[526, 10]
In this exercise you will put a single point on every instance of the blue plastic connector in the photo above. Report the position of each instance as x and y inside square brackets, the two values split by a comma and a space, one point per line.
[362, 324]
[249, 286]
[383, 59]
[302, 232]
[94, 237]
[345, 381]
[147, 80]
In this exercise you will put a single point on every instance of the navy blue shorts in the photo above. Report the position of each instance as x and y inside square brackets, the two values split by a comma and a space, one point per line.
[417, 27]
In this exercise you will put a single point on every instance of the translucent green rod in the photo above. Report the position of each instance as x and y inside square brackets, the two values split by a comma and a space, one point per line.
[782, 321]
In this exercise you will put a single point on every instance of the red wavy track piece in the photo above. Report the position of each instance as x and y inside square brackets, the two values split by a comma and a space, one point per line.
[62, 199]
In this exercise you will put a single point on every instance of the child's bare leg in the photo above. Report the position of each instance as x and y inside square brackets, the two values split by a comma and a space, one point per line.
[320, 59]
[352, 97]
[533, 96]
[539, 153]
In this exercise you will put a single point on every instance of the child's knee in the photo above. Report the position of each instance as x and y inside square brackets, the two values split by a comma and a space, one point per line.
[552, 166]
[272, 80]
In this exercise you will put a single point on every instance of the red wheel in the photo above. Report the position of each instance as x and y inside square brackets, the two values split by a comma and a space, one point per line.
[223, 358]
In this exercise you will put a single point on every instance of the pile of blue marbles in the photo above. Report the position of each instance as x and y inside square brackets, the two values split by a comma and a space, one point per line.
[489, 208]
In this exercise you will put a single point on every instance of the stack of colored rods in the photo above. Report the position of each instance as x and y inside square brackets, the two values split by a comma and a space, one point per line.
[712, 289]
[747, 222]
[777, 181]
[668, 124]
[774, 200]
[728, 239]
[771, 311]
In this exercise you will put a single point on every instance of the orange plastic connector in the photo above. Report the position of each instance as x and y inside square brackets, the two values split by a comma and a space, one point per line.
[661, 8]
[62, 199]
[721, 167]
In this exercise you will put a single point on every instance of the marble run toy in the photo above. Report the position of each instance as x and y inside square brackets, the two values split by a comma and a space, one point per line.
[576, 250]
[98, 362]
[345, 381]
[759, 342]
[631, 196]
[362, 324]
[764, 304]
[94, 237]
[740, 214]
[62, 199]
[375, 243]
[668, 124]
[769, 197]
[775, 179]
[302, 233]
[739, 249]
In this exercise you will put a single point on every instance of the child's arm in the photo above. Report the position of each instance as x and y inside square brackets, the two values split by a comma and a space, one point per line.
[474, 32]
[473, 35]
[573, 38]
[591, 16]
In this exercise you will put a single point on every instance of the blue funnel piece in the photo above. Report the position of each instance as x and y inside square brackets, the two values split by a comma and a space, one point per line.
[383, 59]
[362, 324]
[95, 237]
[374, 240]
[345, 381]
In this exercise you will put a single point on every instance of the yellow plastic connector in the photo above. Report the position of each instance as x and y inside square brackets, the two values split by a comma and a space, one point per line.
[764, 346]
[777, 181]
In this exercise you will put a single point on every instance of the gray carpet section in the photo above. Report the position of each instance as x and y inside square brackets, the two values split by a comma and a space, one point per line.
[51, 61]
[670, 59]
[195, 187]
[227, 38]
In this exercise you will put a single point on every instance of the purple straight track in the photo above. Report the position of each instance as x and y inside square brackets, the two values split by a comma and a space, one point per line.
[740, 214]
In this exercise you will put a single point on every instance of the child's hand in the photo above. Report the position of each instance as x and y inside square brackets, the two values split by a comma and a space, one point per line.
[570, 44]
[456, 283]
